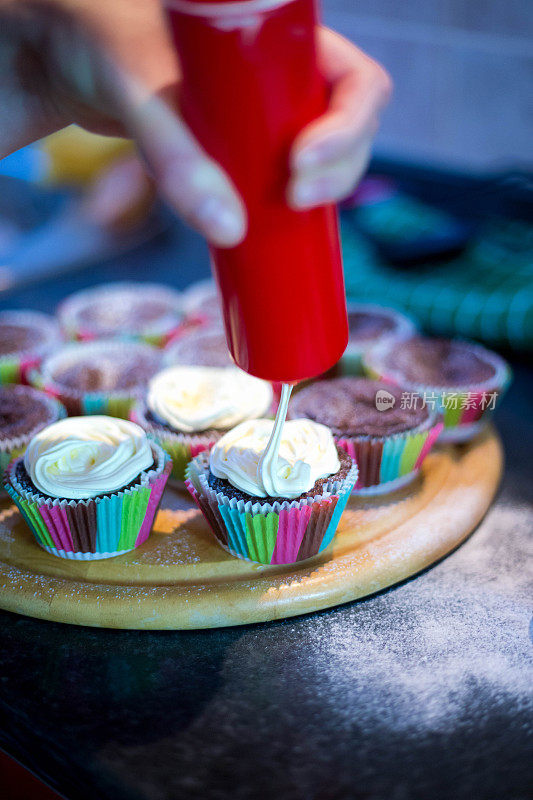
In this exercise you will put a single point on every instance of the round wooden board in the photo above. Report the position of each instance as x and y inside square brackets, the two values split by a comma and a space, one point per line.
[180, 578]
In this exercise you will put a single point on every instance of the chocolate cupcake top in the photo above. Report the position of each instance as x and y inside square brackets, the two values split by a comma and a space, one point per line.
[440, 362]
[27, 332]
[201, 302]
[369, 323]
[358, 407]
[364, 325]
[122, 310]
[200, 349]
[104, 366]
[24, 411]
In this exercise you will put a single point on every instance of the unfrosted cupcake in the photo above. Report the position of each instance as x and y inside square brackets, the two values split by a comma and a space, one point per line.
[387, 431]
[277, 513]
[370, 325]
[89, 487]
[187, 409]
[25, 338]
[200, 348]
[201, 305]
[24, 411]
[147, 312]
[98, 377]
[461, 380]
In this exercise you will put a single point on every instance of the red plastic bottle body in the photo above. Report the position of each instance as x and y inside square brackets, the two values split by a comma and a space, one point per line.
[250, 84]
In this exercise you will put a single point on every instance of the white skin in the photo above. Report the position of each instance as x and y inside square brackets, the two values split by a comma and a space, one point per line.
[109, 66]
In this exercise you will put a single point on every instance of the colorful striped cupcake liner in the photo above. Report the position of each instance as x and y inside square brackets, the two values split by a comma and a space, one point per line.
[388, 463]
[97, 528]
[78, 403]
[351, 362]
[15, 447]
[464, 410]
[16, 367]
[280, 533]
[158, 334]
[16, 370]
[155, 340]
[181, 447]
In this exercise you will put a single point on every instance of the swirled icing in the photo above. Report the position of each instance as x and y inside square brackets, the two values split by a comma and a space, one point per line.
[193, 399]
[82, 457]
[306, 453]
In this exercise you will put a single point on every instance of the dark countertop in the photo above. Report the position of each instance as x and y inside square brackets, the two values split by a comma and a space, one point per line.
[422, 691]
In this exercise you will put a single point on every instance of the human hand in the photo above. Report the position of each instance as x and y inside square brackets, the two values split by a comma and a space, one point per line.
[110, 67]
[330, 155]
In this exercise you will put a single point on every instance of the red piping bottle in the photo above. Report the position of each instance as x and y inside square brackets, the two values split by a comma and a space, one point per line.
[250, 83]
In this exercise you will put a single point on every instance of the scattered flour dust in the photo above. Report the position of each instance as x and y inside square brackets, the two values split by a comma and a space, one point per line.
[368, 694]
[420, 656]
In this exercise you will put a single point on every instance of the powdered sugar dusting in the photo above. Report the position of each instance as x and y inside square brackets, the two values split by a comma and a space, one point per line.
[447, 640]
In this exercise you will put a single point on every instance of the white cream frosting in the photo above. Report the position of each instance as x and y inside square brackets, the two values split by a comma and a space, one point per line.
[306, 453]
[197, 398]
[82, 457]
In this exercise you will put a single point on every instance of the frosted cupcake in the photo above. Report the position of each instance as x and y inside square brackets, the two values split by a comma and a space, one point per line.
[147, 312]
[463, 381]
[387, 431]
[273, 513]
[207, 348]
[98, 377]
[25, 338]
[200, 348]
[23, 413]
[370, 325]
[187, 409]
[89, 487]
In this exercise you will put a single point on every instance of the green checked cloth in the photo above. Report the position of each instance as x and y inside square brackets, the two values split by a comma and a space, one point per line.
[486, 293]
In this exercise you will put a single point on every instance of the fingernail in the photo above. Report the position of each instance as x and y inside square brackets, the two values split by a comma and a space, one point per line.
[219, 222]
[314, 193]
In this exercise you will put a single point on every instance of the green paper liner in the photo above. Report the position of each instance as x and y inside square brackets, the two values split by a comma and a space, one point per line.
[282, 532]
[464, 410]
[95, 528]
[79, 403]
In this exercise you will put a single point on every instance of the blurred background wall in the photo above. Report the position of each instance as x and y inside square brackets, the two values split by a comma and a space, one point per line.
[463, 75]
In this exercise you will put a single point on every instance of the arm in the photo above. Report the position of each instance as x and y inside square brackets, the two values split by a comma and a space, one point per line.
[109, 66]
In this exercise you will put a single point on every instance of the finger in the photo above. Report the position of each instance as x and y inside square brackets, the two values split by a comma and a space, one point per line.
[190, 181]
[102, 80]
[121, 196]
[331, 183]
[360, 89]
